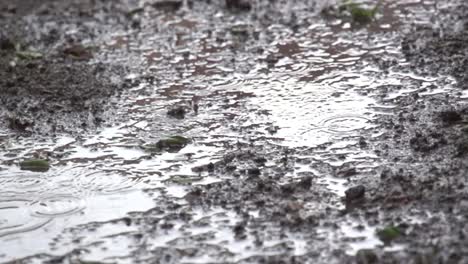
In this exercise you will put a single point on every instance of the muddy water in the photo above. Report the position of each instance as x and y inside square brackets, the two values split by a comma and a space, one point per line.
[316, 89]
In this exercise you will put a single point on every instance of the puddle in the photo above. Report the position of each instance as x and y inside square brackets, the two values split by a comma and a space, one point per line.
[314, 89]
[57, 205]
[16, 218]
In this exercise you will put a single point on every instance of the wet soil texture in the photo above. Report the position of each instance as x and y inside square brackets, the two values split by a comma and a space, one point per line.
[233, 131]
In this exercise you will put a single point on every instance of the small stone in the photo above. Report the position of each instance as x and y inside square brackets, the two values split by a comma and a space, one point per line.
[305, 183]
[450, 117]
[253, 171]
[347, 172]
[177, 112]
[210, 167]
[168, 5]
[171, 144]
[355, 193]
[362, 142]
[127, 221]
[6, 44]
[78, 52]
[167, 225]
[272, 129]
[260, 160]
[238, 5]
[239, 231]
[366, 256]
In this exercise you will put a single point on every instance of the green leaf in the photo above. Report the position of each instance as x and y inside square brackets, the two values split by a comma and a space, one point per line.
[388, 234]
[36, 165]
[174, 143]
[359, 14]
[28, 55]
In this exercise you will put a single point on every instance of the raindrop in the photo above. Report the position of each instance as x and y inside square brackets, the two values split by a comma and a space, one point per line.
[344, 123]
[57, 205]
[107, 182]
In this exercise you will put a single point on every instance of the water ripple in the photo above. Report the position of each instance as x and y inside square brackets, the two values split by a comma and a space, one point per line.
[57, 205]
[107, 182]
[344, 123]
[16, 217]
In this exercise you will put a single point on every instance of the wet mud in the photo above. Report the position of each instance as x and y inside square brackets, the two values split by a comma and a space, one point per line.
[233, 132]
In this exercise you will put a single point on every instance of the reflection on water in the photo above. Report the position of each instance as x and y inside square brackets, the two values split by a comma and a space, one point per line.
[316, 85]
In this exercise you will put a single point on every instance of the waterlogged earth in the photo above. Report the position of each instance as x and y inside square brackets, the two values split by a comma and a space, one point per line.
[312, 138]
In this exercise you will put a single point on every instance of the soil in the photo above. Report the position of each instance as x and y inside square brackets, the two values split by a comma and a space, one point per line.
[56, 82]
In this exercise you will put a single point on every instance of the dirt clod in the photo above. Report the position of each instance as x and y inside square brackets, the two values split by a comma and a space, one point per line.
[168, 5]
[450, 117]
[177, 112]
[355, 193]
[239, 5]
[366, 256]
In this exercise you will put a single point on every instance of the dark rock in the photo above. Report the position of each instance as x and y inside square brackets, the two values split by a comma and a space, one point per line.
[462, 148]
[239, 231]
[6, 44]
[253, 171]
[305, 183]
[193, 195]
[78, 52]
[272, 129]
[287, 189]
[238, 5]
[168, 6]
[366, 256]
[210, 167]
[362, 142]
[171, 144]
[347, 172]
[178, 112]
[260, 160]
[450, 117]
[167, 225]
[355, 193]
[127, 221]
[302, 185]
[386, 173]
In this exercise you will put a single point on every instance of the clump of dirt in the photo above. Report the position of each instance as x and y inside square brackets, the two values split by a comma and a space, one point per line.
[422, 188]
[52, 79]
[48, 95]
[441, 47]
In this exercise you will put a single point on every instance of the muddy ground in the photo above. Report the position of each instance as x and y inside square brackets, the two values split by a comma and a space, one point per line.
[61, 73]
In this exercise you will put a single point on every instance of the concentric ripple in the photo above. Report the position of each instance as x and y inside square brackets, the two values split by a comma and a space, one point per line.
[106, 182]
[23, 184]
[344, 123]
[57, 205]
[16, 217]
